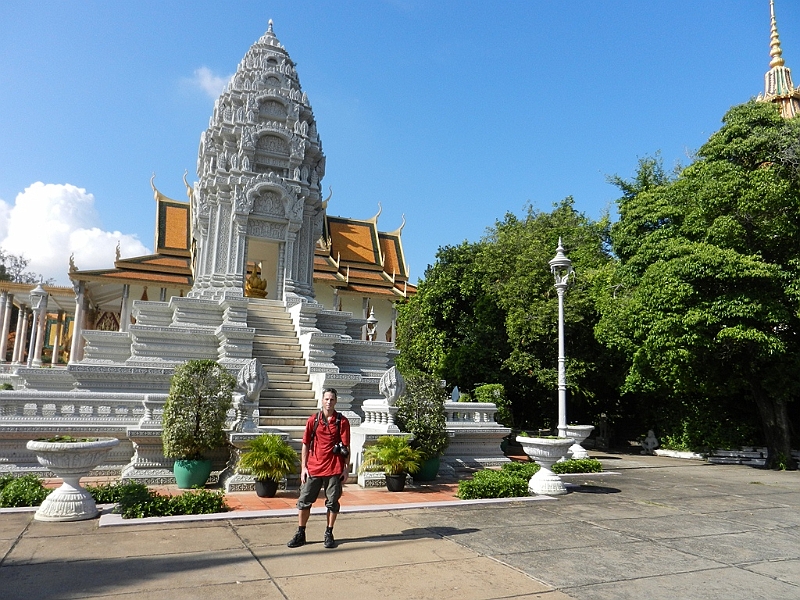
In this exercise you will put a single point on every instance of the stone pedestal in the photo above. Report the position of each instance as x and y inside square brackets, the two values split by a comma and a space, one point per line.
[545, 451]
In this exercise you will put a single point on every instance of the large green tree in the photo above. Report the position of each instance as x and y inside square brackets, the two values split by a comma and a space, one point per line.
[705, 297]
[515, 260]
[452, 328]
[486, 312]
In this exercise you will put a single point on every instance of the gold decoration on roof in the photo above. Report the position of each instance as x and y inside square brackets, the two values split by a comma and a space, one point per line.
[778, 86]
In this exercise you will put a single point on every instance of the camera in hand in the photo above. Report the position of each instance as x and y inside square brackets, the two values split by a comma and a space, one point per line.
[340, 449]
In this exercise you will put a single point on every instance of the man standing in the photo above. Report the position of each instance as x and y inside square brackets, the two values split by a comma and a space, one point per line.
[323, 464]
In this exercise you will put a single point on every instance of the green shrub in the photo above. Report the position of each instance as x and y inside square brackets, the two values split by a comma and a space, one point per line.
[6, 386]
[137, 501]
[511, 481]
[111, 493]
[200, 394]
[420, 411]
[22, 491]
[496, 393]
[525, 470]
[577, 465]
[492, 484]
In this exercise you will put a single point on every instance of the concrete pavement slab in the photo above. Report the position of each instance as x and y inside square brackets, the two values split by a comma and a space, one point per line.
[477, 578]
[765, 518]
[122, 544]
[139, 575]
[238, 590]
[314, 559]
[619, 509]
[673, 526]
[574, 567]
[510, 516]
[716, 503]
[787, 571]
[499, 542]
[741, 548]
[13, 524]
[728, 583]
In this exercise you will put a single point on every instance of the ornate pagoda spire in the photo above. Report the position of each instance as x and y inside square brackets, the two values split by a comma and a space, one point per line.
[778, 86]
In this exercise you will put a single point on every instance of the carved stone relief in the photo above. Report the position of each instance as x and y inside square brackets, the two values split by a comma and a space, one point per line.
[266, 229]
[268, 203]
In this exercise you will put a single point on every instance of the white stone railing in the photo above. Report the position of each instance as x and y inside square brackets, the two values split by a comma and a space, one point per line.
[474, 436]
[378, 415]
[470, 412]
[53, 408]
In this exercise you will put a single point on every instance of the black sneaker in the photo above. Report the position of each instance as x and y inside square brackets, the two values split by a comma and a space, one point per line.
[329, 542]
[298, 540]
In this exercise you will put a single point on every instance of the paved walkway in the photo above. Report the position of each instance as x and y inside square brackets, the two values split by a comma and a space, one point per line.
[661, 528]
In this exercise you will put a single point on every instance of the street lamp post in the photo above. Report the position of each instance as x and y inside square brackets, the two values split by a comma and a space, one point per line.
[39, 310]
[561, 267]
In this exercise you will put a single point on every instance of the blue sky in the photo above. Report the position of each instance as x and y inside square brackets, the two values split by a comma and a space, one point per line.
[453, 113]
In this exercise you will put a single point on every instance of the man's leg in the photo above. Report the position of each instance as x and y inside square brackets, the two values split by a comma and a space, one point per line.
[308, 493]
[333, 491]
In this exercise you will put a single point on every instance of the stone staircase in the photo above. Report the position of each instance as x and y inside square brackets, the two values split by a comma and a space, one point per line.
[288, 400]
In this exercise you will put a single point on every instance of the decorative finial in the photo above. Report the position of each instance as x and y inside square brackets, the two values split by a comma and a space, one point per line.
[774, 43]
[117, 251]
[269, 30]
[72, 267]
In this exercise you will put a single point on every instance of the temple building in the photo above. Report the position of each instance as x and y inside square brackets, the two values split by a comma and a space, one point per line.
[255, 225]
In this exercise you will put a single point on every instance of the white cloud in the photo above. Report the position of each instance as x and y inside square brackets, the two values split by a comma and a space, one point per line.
[211, 84]
[48, 222]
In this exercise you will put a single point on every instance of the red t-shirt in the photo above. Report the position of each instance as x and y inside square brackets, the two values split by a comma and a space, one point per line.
[322, 462]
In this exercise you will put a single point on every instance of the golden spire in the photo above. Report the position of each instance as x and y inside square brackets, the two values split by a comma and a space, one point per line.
[778, 86]
[774, 42]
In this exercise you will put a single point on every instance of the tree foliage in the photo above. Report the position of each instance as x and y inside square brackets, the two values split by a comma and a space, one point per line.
[704, 299]
[486, 313]
[12, 268]
[200, 394]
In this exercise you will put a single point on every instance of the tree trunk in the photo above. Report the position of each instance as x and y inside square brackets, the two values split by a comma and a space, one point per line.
[777, 429]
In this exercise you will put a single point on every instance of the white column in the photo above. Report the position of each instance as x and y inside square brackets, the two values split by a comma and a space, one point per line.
[125, 309]
[9, 304]
[77, 325]
[41, 330]
[22, 334]
[3, 302]
[57, 338]
[163, 296]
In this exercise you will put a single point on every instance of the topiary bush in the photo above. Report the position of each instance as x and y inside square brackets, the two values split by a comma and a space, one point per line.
[200, 394]
[27, 490]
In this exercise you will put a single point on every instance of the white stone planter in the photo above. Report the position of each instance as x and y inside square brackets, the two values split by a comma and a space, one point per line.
[70, 461]
[545, 451]
[578, 433]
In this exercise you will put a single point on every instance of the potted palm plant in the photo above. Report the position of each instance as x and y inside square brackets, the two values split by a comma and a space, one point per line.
[420, 412]
[268, 458]
[395, 457]
[193, 423]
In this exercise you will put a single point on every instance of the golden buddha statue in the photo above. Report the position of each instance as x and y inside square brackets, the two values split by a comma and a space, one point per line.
[255, 286]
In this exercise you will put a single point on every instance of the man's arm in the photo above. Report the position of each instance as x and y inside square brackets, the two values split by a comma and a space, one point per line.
[303, 464]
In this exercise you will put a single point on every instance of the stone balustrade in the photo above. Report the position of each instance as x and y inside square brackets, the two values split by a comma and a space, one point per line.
[474, 436]
[24, 407]
[469, 412]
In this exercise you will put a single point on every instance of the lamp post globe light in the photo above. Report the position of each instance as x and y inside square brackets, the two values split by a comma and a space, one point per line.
[561, 268]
